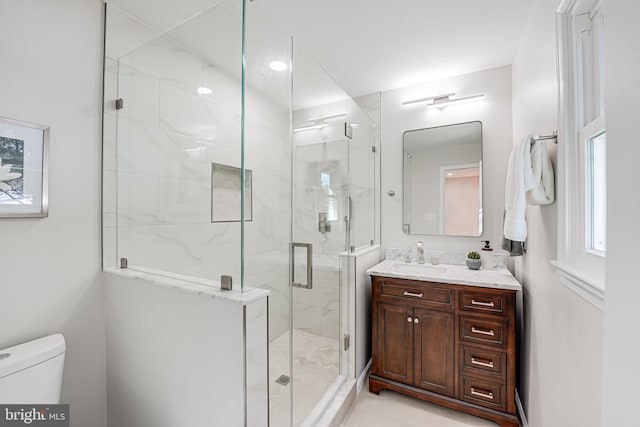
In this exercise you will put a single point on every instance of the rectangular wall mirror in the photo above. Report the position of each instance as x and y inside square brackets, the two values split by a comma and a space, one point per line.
[443, 180]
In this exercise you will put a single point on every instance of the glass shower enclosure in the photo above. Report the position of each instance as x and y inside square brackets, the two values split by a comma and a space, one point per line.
[228, 150]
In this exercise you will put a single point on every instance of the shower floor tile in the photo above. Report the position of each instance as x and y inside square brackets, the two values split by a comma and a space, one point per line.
[315, 368]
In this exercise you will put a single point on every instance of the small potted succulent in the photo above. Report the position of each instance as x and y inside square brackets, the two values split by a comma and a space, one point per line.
[473, 260]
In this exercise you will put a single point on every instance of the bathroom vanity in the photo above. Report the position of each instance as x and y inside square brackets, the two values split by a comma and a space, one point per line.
[447, 335]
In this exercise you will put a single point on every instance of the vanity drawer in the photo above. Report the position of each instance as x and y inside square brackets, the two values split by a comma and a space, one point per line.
[489, 394]
[417, 292]
[494, 303]
[480, 361]
[483, 331]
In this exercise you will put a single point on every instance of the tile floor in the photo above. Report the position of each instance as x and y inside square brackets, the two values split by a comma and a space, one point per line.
[390, 409]
[315, 368]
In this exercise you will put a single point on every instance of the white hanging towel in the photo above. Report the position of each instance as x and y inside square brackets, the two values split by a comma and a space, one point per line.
[543, 193]
[520, 179]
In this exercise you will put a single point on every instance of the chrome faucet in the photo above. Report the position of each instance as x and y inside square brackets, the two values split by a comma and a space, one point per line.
[420, 253]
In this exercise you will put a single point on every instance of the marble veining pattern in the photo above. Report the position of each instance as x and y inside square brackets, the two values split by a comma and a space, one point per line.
[207, 288]
[453, 274]
[315, 369]
[442, 257]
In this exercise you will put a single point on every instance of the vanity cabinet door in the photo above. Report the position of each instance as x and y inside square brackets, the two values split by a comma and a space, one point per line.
[395, 340]
[434, 350]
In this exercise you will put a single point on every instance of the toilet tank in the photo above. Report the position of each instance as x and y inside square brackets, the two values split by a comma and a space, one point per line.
[31, 373]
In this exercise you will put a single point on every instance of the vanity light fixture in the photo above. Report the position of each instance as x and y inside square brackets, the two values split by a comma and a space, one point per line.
[327, 117]
[204, 90]
[441, 101]
[314, 121]
[320, 126]
[429, 98]
[278, 65]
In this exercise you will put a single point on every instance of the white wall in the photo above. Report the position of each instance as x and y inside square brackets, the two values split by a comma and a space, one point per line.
[495, 114]
[180, 358]
[561, 337]
[52, 74]
[622, 291]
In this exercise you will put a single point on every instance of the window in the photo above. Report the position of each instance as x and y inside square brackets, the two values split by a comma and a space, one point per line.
[332, 200]
[596, 194]
[582, 177]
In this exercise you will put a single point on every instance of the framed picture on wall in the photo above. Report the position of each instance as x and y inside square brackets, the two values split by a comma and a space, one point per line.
[24, 155]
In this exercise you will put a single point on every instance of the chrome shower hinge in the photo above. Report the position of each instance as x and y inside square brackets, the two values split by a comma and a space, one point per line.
[348, 130]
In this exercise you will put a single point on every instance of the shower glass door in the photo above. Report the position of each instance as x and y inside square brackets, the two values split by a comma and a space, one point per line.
[320, 234]
[320, 210]
[301, 148]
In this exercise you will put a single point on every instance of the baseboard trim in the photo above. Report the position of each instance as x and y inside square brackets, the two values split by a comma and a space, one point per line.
[364, 375]
[523, 417]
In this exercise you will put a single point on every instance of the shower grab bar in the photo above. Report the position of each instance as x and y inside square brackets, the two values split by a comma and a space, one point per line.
[309, 248]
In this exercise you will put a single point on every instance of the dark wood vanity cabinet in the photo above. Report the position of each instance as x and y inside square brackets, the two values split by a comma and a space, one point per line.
[447, 344]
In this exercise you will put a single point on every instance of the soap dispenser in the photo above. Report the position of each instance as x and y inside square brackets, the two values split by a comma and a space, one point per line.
[487, 255]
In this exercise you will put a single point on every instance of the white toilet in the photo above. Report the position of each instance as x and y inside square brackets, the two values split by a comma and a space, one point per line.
[31, 373]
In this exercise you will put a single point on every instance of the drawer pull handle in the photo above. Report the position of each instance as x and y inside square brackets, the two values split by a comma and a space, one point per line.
[409, 319]
[411, 294]
[487, 395]
[481, 362]
[416, 320]
[483, 331]
[483, 304]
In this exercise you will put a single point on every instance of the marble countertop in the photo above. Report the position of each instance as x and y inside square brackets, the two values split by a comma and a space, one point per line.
[447, 273]
[206, 288]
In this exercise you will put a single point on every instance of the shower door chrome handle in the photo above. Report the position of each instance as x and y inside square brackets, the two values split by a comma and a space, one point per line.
[309, 248]
[348, 247]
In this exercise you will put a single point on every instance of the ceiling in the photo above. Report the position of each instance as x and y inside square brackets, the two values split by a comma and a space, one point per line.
[368, 46]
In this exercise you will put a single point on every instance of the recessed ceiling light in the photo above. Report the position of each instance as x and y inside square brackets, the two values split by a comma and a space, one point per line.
[278, 66]
[204, 90]
[450, 174]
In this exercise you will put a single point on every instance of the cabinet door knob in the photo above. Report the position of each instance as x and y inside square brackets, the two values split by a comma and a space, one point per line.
[409, 319]
[416, 320]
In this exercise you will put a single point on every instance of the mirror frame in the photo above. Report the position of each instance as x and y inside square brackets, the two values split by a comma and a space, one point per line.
[406, 226]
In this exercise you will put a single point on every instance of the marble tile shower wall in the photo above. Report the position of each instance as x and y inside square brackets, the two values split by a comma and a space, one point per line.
[158, 152]
[348, 167]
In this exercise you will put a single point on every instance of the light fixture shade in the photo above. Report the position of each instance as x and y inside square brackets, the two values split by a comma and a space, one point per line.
[441, 101]
[446, 102]
[429, 98]
[320, 126]
[327, 117]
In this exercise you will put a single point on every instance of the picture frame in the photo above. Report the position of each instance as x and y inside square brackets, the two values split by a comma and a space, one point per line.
[24, 169]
